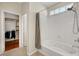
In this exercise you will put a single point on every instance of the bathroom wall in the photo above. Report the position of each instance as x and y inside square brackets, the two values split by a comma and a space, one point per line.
[57, 30]
[43, 27]
[60, 30]
[33, 9]
[12, 6]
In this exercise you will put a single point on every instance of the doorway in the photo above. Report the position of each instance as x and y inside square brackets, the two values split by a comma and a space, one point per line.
[11, 31]
[21, 27]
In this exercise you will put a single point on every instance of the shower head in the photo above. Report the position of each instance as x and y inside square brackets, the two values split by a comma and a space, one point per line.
[71, 9]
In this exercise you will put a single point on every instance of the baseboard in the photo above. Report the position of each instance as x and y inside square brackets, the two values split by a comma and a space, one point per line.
[1, 53]
[42, 52]
[58, 51]
[33, 52]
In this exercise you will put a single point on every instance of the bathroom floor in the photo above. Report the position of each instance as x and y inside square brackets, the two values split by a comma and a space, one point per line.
[37, 54]
[20, 52]
[16, 52]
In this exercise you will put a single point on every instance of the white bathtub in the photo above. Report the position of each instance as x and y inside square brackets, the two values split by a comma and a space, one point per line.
[62, 49]
[66, 50]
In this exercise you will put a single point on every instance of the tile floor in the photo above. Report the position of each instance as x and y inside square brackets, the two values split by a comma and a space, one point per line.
[16, 52]
[20, 52]
[37, 54]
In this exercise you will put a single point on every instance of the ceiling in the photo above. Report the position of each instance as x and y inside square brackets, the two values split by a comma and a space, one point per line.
[48, 4]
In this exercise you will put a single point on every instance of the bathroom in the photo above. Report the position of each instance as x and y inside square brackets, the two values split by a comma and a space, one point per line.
[58, 25]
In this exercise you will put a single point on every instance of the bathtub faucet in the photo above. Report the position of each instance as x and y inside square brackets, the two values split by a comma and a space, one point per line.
[77, 40]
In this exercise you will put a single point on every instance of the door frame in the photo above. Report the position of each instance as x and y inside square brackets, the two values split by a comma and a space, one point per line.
[3, 29]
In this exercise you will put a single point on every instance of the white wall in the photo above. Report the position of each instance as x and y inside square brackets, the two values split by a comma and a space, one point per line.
[60, 30]
[44, 27]
[10, 25]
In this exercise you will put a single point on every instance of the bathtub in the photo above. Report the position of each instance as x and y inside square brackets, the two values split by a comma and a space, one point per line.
[66, 50]
[60, 50]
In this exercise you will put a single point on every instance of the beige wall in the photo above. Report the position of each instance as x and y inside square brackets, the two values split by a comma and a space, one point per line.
[25, 7]
[12, 6]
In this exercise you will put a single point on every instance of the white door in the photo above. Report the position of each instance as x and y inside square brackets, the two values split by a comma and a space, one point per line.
[24, 30]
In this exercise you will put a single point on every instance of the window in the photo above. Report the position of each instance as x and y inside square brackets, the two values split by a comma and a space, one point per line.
[52, 12]
[60, 10]
[69, 6]
[57, 11]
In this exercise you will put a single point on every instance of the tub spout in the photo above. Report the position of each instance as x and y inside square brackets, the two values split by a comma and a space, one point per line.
[75, 46]
[77, 40]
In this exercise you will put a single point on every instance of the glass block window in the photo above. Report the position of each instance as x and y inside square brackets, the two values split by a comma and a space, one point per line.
[57, 11]
[60, 10]
[51, 12]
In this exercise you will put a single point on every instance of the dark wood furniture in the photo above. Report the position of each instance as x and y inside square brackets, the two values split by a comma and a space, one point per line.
[11, 44]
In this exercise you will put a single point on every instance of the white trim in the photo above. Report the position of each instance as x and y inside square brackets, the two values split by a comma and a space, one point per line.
[33, 52]
[12, 12]
[2, 33]
[42, 52]
[20, 40]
